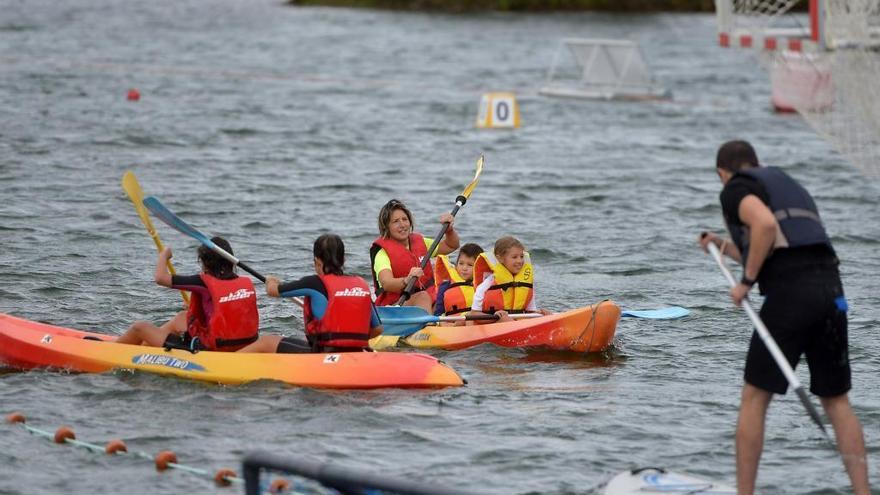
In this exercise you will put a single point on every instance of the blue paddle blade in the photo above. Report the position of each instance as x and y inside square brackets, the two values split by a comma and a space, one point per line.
[658, 314]
[173, 221]
[403, 320]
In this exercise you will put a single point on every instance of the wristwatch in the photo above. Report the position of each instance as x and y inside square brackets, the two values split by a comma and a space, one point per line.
[746, 280]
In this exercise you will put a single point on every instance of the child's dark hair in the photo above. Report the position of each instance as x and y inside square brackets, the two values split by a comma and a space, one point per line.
[214, 264]
[470, 250]
[330, 249]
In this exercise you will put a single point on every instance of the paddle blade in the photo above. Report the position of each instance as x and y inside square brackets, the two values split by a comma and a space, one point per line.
[811, 410]
[658, 314]
[470, 188]
[173, 221]
[400, 312]
[403, 320]
[132, 188]
[383, 342]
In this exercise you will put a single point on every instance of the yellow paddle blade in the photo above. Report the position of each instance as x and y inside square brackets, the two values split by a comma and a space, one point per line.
[133, 188]
[470, 188]
[384, 342]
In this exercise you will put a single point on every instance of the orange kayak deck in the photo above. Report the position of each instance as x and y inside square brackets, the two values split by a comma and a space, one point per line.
[587, 329]
[26, 344]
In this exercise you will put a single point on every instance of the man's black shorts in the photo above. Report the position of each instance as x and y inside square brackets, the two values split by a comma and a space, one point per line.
[806, 314]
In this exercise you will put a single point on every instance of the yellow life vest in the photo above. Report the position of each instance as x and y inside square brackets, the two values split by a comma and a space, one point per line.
[512, 293]
[459, 296]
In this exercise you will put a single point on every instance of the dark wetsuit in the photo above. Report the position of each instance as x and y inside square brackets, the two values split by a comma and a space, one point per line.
[804, 308]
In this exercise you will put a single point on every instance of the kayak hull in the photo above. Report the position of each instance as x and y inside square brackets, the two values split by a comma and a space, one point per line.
[587, 329]
[26, 344]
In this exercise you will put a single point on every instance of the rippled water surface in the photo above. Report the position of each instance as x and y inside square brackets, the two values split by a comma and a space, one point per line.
[271, 124]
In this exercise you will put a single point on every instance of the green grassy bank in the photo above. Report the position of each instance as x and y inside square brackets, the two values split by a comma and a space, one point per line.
[521, 5]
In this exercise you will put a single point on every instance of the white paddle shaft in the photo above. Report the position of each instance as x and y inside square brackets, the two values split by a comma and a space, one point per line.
[777, 354]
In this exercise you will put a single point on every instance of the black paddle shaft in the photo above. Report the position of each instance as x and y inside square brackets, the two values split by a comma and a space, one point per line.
[252, 272]
[407, 291]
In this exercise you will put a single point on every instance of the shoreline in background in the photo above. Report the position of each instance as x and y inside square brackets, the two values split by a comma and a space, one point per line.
[520, 5]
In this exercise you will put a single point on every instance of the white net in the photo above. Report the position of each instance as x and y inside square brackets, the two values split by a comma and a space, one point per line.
[758, 17]
[852, 123]
[599, 68]
[836, 89]
[851, 23]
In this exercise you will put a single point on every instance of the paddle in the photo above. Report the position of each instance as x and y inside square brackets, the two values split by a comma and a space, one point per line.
[408, 325]
[173, 221]
[459, 202]
[777, 354]
[657, 314]
[133, 188]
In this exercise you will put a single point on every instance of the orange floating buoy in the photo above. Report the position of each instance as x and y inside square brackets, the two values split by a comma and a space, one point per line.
[163, 458]
[223, 475]
[279, 485]
[64, 433]
[114, 446]
[15, 417]
[134, 95]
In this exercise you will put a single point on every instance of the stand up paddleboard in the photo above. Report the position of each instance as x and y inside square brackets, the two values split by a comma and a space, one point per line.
[658, 480]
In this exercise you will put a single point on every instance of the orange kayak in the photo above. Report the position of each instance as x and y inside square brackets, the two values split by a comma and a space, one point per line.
[587, 329]
[28, 344]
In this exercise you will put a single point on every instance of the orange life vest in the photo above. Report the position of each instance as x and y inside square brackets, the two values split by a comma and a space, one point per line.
[512, 293]
[402, 261]
[234, 321]
[458, 297]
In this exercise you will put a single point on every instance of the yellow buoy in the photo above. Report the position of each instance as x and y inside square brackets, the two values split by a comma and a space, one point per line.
[498, 110]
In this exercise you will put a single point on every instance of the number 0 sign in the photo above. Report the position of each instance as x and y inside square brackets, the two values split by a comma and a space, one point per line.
[498, 110]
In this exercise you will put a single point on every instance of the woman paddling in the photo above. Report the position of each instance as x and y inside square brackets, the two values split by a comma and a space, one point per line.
[397, 253]
[222, 314]
[338, 309]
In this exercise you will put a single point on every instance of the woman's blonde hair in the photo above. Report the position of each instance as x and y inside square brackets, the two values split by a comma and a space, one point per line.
[385, 216]
[503, 245]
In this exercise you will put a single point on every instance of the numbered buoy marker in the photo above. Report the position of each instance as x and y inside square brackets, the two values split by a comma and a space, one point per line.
[498, 110]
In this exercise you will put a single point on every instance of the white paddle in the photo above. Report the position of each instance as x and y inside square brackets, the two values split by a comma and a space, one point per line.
[777, 354]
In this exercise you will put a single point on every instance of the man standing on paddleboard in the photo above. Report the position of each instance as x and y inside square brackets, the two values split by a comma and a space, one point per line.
[780, 241]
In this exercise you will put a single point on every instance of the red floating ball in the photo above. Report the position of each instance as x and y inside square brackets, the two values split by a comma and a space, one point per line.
[15, 417]
[223, 476]
[64, 433]
[114, 446]
[163, 458]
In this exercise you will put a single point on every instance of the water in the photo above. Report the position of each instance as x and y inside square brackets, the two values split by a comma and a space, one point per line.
[270, 125]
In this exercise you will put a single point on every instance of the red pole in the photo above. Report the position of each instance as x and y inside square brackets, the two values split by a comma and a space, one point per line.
[814, 20]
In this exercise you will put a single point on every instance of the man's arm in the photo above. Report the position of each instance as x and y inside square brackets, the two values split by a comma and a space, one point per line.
[762, 234]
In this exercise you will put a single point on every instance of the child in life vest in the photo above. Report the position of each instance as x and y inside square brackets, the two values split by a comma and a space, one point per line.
[222, 314]
[337, 308]
[455, 284]
[504, 281]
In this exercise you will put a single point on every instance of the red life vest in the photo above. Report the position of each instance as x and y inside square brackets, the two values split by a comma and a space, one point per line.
[234, 321]
[346, 322]
[402, 261]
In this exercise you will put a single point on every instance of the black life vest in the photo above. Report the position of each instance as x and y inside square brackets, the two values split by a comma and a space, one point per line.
[793, 207]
